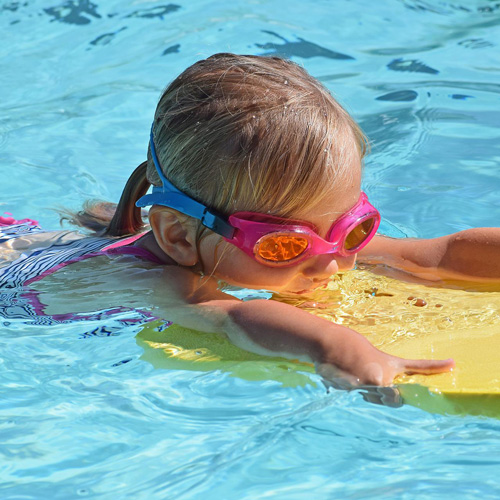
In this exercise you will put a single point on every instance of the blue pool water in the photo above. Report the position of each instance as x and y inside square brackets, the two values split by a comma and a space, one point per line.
[80, 413]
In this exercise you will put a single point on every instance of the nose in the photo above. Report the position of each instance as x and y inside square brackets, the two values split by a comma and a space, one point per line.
[324, 266]
[320, 267]
[346, 263]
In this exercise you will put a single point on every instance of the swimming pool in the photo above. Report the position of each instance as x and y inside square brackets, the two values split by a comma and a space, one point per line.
[82, 414]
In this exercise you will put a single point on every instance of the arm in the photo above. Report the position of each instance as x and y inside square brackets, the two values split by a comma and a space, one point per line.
[278, 329]
[262, 326]
[473, 255]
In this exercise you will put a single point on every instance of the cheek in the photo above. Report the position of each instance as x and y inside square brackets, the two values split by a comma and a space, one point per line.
[213, 251]
[223, 260]
[228, 263]
[234, 265]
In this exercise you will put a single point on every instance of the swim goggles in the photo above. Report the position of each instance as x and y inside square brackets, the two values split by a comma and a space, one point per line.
[270, 240]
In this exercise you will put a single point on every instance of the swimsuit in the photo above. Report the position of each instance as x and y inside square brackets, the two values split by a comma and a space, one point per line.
[56, 250]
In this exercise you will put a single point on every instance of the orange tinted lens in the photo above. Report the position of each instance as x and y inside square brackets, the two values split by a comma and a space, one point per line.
[359, 234]
[281, 247]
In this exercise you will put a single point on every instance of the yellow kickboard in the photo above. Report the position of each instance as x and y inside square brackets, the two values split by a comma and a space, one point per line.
[421, 322]
[473, 387]
[407, 320]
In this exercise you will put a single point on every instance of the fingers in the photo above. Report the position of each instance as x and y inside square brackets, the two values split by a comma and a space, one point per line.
[381, 373]
[427, 366]
[336, 378]
[385, 396]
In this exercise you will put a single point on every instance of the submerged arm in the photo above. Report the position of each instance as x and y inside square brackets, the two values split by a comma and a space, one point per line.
[273, 328]
[473, 254]
[265, 327]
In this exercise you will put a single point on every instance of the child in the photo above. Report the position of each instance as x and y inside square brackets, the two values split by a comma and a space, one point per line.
[256, 172]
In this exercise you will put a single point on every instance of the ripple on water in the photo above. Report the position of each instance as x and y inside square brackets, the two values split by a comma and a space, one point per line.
[83, 415]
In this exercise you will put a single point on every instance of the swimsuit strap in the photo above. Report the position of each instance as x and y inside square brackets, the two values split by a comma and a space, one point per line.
[123, 247]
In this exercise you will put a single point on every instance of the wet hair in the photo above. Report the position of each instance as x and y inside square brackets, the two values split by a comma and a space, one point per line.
[241, 133]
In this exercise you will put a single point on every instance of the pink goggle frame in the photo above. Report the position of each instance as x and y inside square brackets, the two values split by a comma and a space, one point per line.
[280, 242]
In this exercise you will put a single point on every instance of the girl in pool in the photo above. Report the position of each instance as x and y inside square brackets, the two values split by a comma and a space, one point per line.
[256, 174]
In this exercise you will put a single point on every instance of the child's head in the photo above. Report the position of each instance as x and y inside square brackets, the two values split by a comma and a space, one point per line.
[254, 134]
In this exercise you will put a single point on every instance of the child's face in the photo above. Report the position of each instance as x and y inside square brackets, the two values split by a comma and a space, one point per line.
[233, 266]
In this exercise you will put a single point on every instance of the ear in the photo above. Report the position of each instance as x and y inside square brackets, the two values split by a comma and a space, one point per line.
[175, 234]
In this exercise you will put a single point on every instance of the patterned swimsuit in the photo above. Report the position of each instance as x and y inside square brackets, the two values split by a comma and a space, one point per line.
[17, 301]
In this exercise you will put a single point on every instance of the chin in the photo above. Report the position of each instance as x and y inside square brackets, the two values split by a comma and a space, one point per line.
[299, 292]
[314, 287]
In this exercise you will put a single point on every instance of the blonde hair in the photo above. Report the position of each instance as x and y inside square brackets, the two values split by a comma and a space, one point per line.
[246, 133]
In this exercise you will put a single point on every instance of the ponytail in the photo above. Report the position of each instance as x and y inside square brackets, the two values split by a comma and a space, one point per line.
[110, 219]
[127, 218]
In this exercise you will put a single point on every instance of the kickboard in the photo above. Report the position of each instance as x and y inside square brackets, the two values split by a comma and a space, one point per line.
[473, 387]
[403, 319]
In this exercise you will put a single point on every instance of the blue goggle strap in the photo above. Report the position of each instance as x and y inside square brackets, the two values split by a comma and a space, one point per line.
[169, 196]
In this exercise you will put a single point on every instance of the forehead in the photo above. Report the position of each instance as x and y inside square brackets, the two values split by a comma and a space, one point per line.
[337, 197]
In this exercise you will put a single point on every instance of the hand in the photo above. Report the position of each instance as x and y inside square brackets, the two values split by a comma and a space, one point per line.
[385, 396]
[365, 365]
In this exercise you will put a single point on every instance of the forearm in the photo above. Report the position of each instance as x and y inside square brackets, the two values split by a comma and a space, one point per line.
[265, 327]
[275, 328]
[473, 254]
[278, 329]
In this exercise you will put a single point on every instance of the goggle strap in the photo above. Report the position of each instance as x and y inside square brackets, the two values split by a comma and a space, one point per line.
[166, 184]
[168, 195]
[217, 224]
